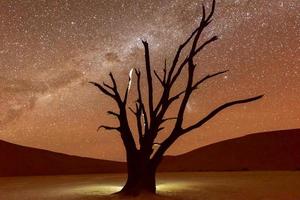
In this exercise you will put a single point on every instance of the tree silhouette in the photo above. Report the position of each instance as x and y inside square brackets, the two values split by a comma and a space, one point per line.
[142, 162]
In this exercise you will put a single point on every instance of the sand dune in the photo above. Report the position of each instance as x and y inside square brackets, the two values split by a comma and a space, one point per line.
[16, 160]
[278, 150]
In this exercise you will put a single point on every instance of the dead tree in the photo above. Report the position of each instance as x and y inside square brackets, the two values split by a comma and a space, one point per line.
[142, 161]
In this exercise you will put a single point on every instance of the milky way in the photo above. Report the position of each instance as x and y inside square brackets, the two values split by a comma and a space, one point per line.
[50, 49]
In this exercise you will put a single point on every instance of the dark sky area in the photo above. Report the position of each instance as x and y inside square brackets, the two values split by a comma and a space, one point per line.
[50, 49]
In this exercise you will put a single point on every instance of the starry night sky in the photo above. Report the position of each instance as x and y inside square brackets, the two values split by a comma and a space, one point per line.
[50, 49]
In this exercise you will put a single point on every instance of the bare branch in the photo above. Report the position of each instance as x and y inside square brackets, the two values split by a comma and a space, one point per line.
[217, 110]
[204, 22]
[137, 72]
[191, 69]
[138, 116]
[126, 92]
[166, 89]
[178, 53]
[108, 86]
[214, 38]
[208, 77]
[194, 51]
[160, 80]
[163, 148]
[160, 129]
[140, 99]
[185, 61]
[203, 13]
[113, 80]
[102, 89]
[131, 109]
[191, 74]
[165, 71]
[139, 122]
[126, 133]
[167, 119]
[108, 128]
[113, 113]
[176, 133]
[149, 79]
[114, 93]
[212, 10]
[176, 96]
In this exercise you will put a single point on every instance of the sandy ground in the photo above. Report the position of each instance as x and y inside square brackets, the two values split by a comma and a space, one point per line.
[177, 186]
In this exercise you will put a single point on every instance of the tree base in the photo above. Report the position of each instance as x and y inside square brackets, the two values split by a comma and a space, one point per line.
[136, 191]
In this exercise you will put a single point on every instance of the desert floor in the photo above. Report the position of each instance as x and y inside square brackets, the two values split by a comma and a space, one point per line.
[276, 185]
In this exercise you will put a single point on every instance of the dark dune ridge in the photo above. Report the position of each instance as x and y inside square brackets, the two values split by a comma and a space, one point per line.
[16, 160]
[276, 150]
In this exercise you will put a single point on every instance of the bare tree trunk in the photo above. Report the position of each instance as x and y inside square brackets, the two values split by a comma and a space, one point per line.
[140, 176]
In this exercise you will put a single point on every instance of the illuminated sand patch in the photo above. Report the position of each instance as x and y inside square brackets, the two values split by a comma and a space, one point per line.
[162, 188]
[176, 186]
[170, 186]
[95, 189]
